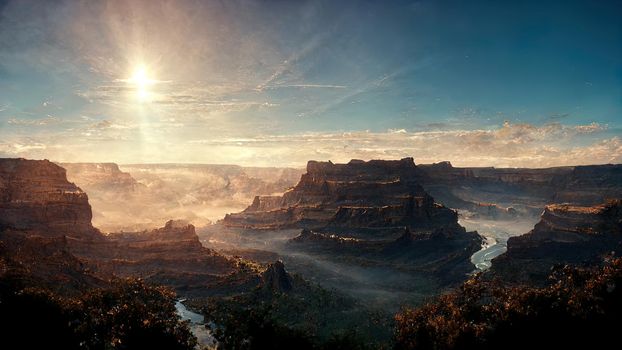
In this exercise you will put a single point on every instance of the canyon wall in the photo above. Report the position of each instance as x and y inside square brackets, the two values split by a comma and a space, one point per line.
[142, 196]
[565, 234]
[35, 195]
[357, 194]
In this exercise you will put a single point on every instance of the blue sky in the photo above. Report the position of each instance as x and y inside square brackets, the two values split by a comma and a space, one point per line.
[526, 83]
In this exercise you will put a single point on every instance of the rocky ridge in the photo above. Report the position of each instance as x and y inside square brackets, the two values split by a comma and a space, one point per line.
[46, 236]
[505, 193]
[565, 234]
[36, 195]
[357, 194]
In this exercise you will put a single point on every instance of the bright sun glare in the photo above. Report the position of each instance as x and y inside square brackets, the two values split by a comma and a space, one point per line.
[141, 80]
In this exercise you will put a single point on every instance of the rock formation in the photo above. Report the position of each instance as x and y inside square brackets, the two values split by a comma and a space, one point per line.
[100, 177]
[35, 195]
[504, 193]
[565, 235]
[276, 279]
[355, 214]
[357, 194]
[46, 234]
[138, 197]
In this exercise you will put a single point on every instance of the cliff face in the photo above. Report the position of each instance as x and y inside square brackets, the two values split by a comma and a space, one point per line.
[46, 237]
[504, 193]
[355, 215]
[100, 176]
[138, 197]
[170, 255]
[37, 195]
[565, 235]
[357, 194]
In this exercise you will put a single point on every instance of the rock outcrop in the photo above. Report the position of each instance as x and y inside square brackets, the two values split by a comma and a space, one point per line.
[138, 197]
[100, 177]
[355, 214]
[505, 193]
[565, 235]
[46, 236]
[276, 279]
[35, 195]
[174, 248]
[358, 194]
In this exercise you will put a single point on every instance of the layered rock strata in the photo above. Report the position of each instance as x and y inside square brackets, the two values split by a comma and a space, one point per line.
[357, 194]
[46, 234]
[35, 195]
[565, 235]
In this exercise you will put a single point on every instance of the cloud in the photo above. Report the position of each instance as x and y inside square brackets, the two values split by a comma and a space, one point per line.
[18, 149]
[318, 86]
[508, 145]
[511, 145]
[34, 122]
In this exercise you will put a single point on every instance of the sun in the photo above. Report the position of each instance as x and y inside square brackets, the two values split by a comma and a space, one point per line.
[141, 81]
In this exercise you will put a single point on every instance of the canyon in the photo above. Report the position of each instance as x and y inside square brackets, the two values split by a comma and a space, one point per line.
[45, 218]
[143, 196]
[565, 235]
[362, 238]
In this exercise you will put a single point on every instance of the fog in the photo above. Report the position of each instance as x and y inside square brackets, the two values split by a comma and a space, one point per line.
[137, 197]
[144, 196]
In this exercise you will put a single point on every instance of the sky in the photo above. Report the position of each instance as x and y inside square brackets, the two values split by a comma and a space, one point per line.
[277, 83]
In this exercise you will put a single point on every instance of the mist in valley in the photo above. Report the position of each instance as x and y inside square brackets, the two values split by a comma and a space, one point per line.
[145, 196]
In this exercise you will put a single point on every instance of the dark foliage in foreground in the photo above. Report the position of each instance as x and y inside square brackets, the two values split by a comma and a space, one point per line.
[128, 315]
[306, 317]
[580, 308]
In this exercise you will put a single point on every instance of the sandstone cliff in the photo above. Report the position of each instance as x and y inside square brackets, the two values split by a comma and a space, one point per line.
[505, 193]
[565, 235]
[35, 195]
[138, 197]
[46, 237]
[357, 194]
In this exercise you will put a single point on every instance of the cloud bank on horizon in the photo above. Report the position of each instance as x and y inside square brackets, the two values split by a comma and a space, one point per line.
[278, 83]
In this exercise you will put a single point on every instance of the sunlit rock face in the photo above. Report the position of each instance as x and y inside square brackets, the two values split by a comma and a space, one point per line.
[566, 234]
[36, 195]
[100, 177]
[46, 238]
[377, 193]
[142, 196]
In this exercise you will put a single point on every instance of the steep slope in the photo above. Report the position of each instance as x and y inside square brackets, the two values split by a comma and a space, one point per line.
[565, 235]
[142, 196]
[370, 217]
[35, 195]
[505, 193]
[357, 194]
[46, 237]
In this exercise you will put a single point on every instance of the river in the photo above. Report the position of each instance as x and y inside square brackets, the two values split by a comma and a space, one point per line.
[197, 325]
[497, 233]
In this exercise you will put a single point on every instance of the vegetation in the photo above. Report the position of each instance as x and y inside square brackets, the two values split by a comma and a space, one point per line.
[306, 317]
[580, 307]
[128, 315]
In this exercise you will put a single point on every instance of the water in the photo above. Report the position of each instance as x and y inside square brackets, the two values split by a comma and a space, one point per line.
[497, 234]
[482, 259]
[197, 326]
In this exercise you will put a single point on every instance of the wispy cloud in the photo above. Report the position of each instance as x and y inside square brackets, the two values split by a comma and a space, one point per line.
[318, 86]
[34, 122]
[509, 145]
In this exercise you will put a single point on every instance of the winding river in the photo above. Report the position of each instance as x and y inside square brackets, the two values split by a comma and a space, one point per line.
[497, 234]
[197, 325]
